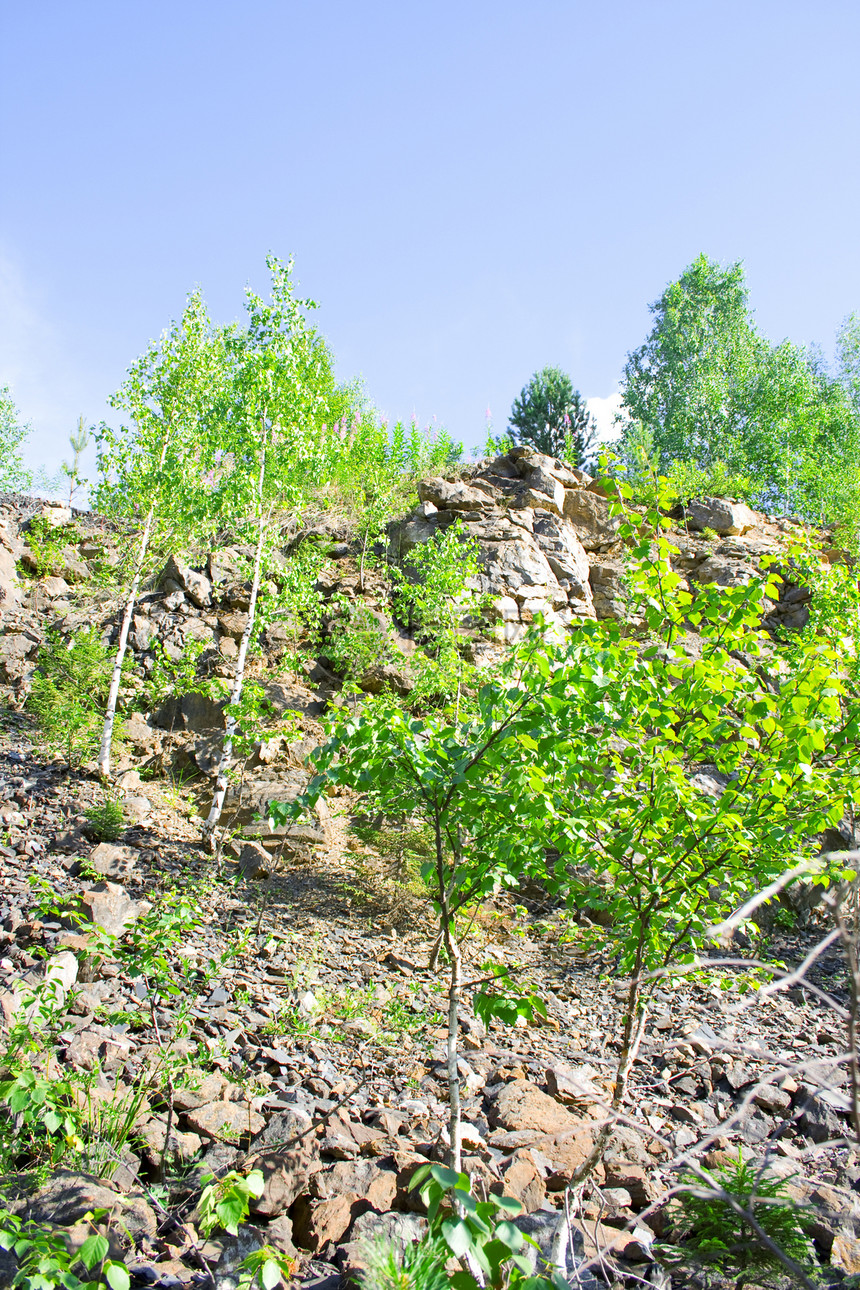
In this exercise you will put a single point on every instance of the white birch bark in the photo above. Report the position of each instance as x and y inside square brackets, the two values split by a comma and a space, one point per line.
[222, 781]
[113, 693]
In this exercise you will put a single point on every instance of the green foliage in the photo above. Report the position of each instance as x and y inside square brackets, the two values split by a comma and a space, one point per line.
[68, 692]
[706, 387]
[631, 725]
[436, 597]
[48, 1123]
[46, 543]
[144, 949]
[718, 1233]
[550, 415]
[45, 1262]
[394, 1266]
[357, 639]
[78, 441]
[266, 1268]
[300, 604]
[686, 481]
[173, 677]
[13, 474]
[224, 1202]
[160, 464]
[106, 819]
[479, 1234]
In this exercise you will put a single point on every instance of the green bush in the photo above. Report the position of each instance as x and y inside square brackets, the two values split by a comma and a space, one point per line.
[69, 692]
[356, 639]
[718, 1233]
[106, 820]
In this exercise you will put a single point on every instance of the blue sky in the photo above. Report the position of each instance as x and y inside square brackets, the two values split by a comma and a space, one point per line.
[471, 190]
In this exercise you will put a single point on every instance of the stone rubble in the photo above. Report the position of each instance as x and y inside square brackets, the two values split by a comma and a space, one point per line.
[315, 1052]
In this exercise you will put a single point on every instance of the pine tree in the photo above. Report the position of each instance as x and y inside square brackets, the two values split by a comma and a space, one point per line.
[551, 416]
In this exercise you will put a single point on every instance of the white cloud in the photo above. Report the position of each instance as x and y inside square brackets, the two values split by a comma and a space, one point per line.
[604, 410]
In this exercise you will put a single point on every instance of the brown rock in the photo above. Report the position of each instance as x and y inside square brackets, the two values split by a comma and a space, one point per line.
[644, 1189]
[522, 1105]
[316, 1223]
[845, 1252]
[68, 1196]
[285, 1174]
[233, 625]
[109, 906]
[183, 1146]
[364, 1178]
[226, 1121]
[590, 517]
[523, 1181]
[113, 861]
[567, 1154]
[206, 1088]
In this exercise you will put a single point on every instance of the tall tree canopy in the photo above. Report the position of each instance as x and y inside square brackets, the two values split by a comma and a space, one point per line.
[707, 387]
[13, 474]
[550, 415]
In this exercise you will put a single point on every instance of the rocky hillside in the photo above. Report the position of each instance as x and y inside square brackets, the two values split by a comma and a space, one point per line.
[306, 1037]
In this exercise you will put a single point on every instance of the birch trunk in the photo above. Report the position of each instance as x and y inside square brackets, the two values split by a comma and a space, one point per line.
[113, 693]
[222, 781]
[455, 987]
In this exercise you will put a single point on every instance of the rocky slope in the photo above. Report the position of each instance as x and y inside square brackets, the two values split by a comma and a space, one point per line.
[314, 1040]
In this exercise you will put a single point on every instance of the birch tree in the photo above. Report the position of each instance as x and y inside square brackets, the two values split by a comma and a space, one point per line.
[154, 467]
[275, 437]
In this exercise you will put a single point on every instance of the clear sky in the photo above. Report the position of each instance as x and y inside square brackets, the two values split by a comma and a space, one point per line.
[471, 190]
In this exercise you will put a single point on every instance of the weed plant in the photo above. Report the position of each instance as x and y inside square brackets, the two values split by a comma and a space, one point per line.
[106, 820]
[711, 1226]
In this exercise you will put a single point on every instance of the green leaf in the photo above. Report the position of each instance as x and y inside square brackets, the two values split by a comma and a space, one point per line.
[117, 1276]
[270, 1274]
[255, 1182]
[231, 1212]
[510, 1234]
[457, 1236]
[93, 1250]
[447, 1177]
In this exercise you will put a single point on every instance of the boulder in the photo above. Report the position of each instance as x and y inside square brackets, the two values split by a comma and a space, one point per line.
[55, 514]
[16, 649]
[153, 1132]
[178, 574]
[285, 1171]
[722, 571]
[588, 515]
[318, 1223]
[723, 516]
[364, 1178]
[522, 1105]
[109, 906]
[454, 495]
[68, 1196]
[143, 632]
[225, 1121]
[113, 861]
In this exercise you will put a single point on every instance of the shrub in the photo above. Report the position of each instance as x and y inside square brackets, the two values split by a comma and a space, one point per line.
[712, 1226]
[106, 820]
[69, 691]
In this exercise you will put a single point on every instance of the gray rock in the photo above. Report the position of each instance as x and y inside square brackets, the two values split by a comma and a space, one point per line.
[196, 585]
[113, 861]
[109, 906]
[68, 1196]
[559, 1247]
[723, 516]
[588, 514]
[816, 1119]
